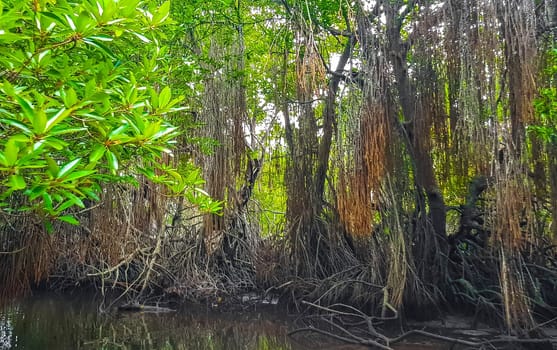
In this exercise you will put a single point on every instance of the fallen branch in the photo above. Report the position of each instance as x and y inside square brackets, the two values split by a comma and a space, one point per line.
[144, 308]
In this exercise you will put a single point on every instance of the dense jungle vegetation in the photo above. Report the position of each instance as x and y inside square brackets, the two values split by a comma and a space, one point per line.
[393, 156]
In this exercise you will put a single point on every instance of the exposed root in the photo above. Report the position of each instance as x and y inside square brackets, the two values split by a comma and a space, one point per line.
[350, 325]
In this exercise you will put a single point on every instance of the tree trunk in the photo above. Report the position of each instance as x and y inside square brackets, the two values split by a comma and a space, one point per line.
[329, 116]
[419, 152]
[551, 16]
[552, 155]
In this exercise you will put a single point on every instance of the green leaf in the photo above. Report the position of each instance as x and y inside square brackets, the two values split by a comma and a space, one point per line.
[70, 22]
[164, 97]
[16, 124]
[151, 129]
[99, 45]
[39, 122]
[112, 161]
[8, 38]
[72, 200]
[101, 37]
[165, 132]
[8, 88]
[68, 168]
[174, 174]
[35, 192]
[78, 174]
[84, 23]
[57, 118]
[11, 151]
[114, 134]
[26, 106]
[90, 193]
[37, 119]
[47, 200]
[17, 182]
[69, 97]
[90, 88]
[37, 146]
[20, 138]
[65, 205]
[75, 199]
[64, 131]
[69, 219]
[56, 143]
[53, 168]
[97, 153]
[44, 54]
[162, 13]
[142, 37]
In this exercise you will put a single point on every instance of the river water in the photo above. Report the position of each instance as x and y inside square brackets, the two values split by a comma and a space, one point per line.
[65, 322]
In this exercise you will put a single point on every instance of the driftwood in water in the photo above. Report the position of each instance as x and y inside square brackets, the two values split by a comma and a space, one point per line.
[136, 307]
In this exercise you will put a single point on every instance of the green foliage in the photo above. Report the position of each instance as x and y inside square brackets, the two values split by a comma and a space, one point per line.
[81, 103]
[270, 194]
[546, 103]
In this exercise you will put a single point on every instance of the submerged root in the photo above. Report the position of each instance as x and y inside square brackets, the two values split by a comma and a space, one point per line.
[350, 325]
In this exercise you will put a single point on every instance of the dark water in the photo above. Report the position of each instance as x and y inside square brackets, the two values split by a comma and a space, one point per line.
[62, 322]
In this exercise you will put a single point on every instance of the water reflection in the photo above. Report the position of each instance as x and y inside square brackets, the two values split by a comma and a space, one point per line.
[6, 330]
[55, 322]
[62, 322]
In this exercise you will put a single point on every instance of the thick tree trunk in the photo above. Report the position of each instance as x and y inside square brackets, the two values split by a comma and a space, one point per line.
[329, 116]
[309, 155]
[423, 164]
[430, 247]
